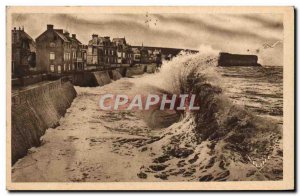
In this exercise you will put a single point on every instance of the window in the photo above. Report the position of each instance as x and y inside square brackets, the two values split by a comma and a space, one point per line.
[67, 56]
[74, 55]
[52, 55]
[52, 68]
[58, 69]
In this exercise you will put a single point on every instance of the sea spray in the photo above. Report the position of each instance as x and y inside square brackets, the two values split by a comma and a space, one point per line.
[227, 132]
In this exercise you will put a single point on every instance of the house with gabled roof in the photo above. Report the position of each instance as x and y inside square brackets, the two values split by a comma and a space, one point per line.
[54, 51]
[101, 52]
[23, 53]
[124, 52]
[77, 52]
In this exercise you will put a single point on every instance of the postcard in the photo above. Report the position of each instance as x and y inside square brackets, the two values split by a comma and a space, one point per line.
[150, 98]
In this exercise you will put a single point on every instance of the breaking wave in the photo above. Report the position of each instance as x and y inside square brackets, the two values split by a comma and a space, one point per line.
[234, 134]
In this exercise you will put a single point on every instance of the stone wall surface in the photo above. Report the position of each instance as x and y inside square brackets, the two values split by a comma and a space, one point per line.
[90, 79]
[115, 75]
[151, 68]
[36, 109]
[227, 59]
[136, 70]
[83, 79]
[122, 71]
[101, 77]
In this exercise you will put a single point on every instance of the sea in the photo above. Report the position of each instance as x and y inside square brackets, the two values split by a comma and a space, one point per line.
[258, 89]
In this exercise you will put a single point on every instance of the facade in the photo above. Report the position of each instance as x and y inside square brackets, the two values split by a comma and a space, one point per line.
[54, 51]
[59, 53]
[121, 46]
[129, 55]
[109, 52]
[101, 52]
[124, 51]
[136, 55]
[92, 51]
[157, 56]
[144, 55]
[77, 52]
[23, 53]
[84, 49]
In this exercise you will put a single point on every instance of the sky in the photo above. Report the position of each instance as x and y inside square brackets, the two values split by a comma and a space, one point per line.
[235, 33]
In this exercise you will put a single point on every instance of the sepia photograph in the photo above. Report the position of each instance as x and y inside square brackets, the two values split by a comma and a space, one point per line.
[150, 98]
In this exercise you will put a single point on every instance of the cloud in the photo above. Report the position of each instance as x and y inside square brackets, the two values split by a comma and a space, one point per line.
[225, 32]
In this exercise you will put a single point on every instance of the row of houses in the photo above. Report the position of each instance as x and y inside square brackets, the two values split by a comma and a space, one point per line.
[58, 51]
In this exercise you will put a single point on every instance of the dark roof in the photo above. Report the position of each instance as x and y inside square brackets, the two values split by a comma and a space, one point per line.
[76, 40]
[98, 41]
[62, 36]
[119, 40]
[24, 36]
[58, 33]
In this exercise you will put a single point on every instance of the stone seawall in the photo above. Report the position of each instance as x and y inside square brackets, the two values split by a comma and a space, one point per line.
[114, 74]
[36, 109]
[91, 79]
[151, 68]
[101, 77]
[227, 60]
[136, 70]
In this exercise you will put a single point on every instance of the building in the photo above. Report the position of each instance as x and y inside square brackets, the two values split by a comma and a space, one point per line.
[23, 59]
[53, 51]
[144, 55]
[136, 55]
[84, 49]
[129, 55]
[157, 56]
[124, 52]
[109, 53]
[92, 52]
[77, 52]
[58, 52]
[102, 52]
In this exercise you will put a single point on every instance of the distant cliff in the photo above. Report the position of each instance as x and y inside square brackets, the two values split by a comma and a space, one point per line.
[227, 59]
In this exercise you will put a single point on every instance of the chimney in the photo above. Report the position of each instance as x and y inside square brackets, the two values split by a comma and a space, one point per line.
[94, 36]
[74, 36]
[49, 26]
[67, 34]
